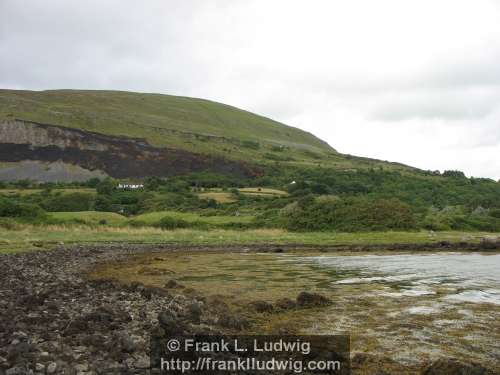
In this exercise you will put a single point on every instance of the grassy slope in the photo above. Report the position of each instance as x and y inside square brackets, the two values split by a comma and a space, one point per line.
[226, 197]
[151, 218]
[10, 192]
[26, 238]
[89, 217]
[221, 197]
[172, 121]
[155, 217]
[154, 117]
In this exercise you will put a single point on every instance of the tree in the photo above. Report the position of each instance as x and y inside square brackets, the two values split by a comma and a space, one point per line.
[103, 203]
[93, 182]
[106, 186]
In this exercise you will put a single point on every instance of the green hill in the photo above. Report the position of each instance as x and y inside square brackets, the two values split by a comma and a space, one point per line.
[194, 125]
[163, 120]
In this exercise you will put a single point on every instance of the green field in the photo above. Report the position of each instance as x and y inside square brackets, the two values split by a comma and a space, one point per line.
[8, 192]
[154, 217]
[26, 237]
[88, 217]
[219, 196]
[263, 192]
[147, 219]
[227, 197]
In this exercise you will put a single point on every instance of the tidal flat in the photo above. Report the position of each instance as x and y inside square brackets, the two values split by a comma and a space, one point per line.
[413, 307]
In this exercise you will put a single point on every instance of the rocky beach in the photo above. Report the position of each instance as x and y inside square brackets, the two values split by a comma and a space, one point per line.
[57, 320]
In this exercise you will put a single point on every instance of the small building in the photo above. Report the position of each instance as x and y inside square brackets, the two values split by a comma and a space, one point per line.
[130, 186]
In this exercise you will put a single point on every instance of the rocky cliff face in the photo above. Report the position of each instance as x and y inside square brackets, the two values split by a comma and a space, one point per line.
[118, 157]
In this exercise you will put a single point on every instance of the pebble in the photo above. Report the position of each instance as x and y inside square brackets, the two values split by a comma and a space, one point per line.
[39, 367]
[82, 367]
[51, 368]
[142, 363]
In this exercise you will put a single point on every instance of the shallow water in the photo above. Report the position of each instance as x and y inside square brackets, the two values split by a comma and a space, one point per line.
[478, 274]
[409, 306]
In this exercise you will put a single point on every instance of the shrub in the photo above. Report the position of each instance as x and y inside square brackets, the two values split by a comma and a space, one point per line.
[72, 202]
[106, 186]
[152, 183]
[277, 148]
[351, 215]
[9, 208]
[275, 157]
[235, 192]
[22, 184]
[454, 174]
[495, 213]
[93, 182]
[8, 223]
[137, 224]
[471, 223]
[290, 208]
[254, 145]
[103, 203]
[169, 222]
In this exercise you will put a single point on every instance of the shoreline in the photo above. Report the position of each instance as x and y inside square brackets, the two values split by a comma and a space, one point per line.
[55, 318]
[482, 246]
[27, 238]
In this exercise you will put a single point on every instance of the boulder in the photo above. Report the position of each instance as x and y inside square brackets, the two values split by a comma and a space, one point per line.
[233, 321]
[286, 304]
[170, 323]
[306, 299]
[194, 312]
[172, 284]
[261, 306]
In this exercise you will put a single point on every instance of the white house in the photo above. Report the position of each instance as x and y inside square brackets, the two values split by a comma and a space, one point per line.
[130, 186]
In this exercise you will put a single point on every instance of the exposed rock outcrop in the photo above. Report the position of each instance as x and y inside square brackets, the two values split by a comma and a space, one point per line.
[118, 157]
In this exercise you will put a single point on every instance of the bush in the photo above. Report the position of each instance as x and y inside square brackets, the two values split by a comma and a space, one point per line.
[495, 213]
[22, 184]
[454, 174]
[235, 192]
[275, 157]
[152, 183]
[106, 186]
[351, 215]
[103, 203]
[137, 224]
[472, 223]
[9, 208]
[254, 145]
[457, 218]
[169, 222]
[93, 182]
[72, 202]
[277, 148]
[8, 223]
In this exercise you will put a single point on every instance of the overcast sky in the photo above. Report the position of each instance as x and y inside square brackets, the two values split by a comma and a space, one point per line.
[404, 80]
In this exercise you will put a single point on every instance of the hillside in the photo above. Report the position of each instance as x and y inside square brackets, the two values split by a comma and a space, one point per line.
[135, 132]
[163, 120]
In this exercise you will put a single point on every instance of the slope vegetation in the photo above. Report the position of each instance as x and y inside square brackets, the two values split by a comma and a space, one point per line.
[163, 120]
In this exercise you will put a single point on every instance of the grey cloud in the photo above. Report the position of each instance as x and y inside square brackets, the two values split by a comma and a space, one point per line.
[466, 104]
[93, 44]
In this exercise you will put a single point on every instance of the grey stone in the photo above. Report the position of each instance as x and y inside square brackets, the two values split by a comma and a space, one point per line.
[142, 362]
[51, 368]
